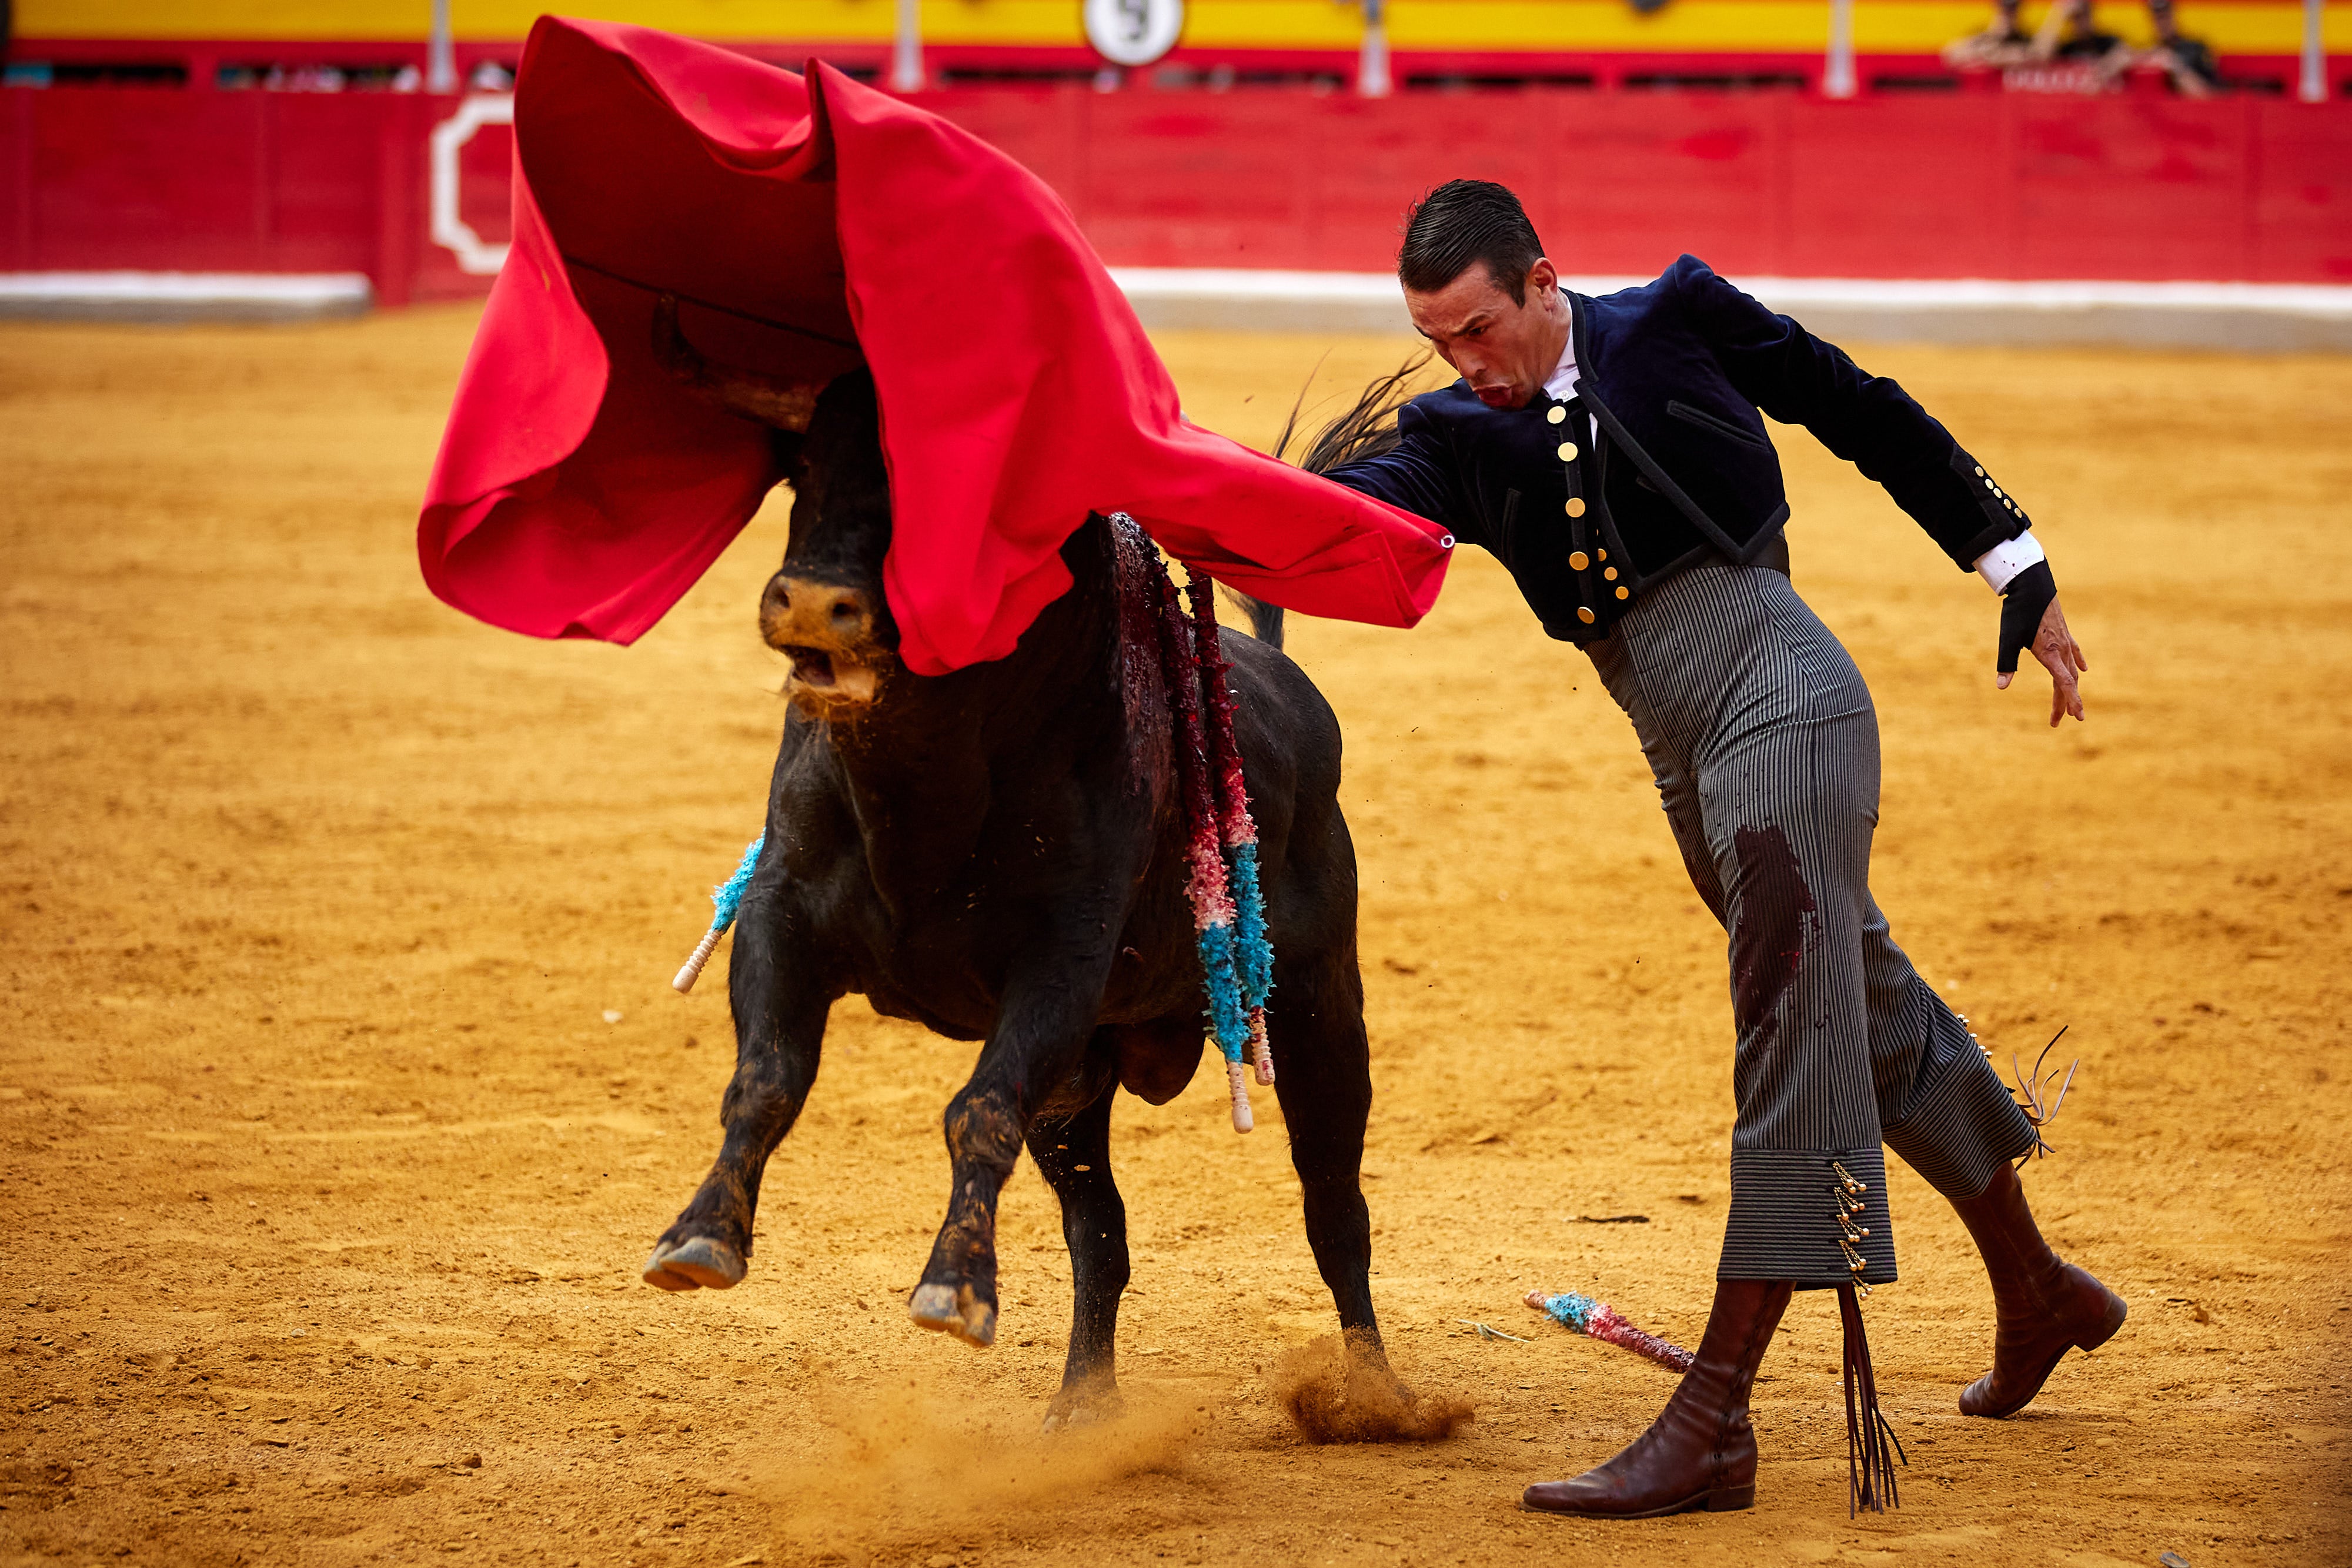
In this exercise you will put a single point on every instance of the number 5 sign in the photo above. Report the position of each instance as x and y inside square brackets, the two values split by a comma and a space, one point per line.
[1134, 32]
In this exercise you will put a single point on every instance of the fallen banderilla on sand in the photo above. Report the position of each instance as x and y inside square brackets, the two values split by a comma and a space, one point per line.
[1599, 1319]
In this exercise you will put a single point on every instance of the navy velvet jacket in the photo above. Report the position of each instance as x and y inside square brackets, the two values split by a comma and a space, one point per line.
[1674, 372]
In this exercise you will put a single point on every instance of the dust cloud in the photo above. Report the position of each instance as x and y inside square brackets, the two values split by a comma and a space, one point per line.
[919, 1462]
[1339, 1390]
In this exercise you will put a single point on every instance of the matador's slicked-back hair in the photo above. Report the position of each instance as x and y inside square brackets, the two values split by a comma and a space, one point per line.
[1466, 221]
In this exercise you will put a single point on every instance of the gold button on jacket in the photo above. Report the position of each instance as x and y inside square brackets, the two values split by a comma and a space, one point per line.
[1576, 506]
[1584, 614]
[1577, 560]
[1568, 452]
[1556, 413]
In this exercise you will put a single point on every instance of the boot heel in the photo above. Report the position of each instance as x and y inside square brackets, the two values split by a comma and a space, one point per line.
[2114, 1320]
[1731, 1499]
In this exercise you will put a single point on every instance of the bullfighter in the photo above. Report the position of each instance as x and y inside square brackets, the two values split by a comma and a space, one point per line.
[1610, 452]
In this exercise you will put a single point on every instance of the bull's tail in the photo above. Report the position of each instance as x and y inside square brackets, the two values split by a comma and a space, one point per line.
[1265, 619]
[1363, 431]
[1366, 428]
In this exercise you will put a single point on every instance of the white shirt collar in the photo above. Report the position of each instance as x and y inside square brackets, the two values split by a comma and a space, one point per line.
[1561, 382]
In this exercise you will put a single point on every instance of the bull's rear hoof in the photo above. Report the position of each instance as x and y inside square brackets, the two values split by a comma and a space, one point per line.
[695, 1262]
[954, 1310]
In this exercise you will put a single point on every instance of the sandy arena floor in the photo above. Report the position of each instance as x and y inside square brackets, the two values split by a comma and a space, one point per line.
[343, 1090]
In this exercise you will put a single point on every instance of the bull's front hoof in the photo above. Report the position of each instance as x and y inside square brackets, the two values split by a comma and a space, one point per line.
[693, 1263]
[1083, 1405]
[954, 1310]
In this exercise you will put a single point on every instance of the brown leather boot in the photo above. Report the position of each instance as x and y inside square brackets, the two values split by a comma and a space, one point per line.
[1701, 1451]
[2042, 1306]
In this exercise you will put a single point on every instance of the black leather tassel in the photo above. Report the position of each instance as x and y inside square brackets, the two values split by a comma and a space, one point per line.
[1871, 1446]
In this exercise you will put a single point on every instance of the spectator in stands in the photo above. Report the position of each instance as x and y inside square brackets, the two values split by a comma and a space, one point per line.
[2004, 43]
[2189, 63]
[2070, 33]
[2074, 34]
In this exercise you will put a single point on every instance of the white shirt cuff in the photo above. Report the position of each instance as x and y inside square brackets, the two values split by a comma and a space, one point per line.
[2001, 563]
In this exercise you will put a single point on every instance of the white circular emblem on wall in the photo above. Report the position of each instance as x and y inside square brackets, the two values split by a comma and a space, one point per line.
[1134, 32]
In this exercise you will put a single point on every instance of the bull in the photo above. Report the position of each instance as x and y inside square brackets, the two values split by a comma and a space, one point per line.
[997, 854]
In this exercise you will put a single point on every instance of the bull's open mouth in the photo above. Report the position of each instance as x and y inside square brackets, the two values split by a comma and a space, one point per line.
[831, 681]
[812, 667]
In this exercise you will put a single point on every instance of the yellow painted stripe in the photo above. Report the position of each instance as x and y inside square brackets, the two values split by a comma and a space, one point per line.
[1905, 26]
[259, 19]
[1685, 25]
[1696, 27]
[1005, 21]
[2241, 28]
[1275, 25]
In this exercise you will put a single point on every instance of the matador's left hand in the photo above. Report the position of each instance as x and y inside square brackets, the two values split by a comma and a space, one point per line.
[2055, 646]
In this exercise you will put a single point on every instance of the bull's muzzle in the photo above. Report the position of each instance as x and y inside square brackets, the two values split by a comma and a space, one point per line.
[828, 630]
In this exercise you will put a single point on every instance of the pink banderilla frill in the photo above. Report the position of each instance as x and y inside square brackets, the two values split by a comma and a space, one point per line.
[1599, 1319]
[1204, 858]
[1253, 952]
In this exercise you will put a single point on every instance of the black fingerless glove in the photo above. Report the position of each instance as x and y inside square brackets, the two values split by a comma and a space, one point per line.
[2028, 595]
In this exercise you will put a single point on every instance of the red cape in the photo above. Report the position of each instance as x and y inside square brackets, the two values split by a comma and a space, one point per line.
[807, 223]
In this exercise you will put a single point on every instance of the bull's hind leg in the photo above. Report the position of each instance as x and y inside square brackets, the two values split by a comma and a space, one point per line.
[779, 1031]
[1073, 1154]
[1323, 1077]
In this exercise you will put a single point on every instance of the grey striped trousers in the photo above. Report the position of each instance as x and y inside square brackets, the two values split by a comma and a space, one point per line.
[1765, 747]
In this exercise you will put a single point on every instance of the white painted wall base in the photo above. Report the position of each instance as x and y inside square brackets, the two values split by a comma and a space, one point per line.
[2257, 317]
[2252, 318]
[182, 296]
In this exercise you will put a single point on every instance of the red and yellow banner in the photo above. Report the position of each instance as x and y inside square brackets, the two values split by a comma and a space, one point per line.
[1501, 27]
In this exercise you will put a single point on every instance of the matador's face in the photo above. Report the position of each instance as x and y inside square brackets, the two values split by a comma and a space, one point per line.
[1503, 349]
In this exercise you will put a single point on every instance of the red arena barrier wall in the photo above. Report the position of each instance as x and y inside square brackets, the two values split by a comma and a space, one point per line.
[1991, 185]
[2000, 185]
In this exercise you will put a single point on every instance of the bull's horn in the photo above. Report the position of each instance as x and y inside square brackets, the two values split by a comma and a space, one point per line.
[787, 405]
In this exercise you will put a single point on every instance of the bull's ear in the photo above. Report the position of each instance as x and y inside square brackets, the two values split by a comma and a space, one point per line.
[787, 405]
